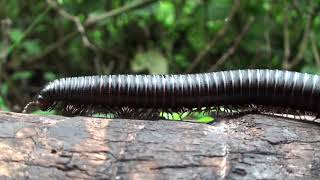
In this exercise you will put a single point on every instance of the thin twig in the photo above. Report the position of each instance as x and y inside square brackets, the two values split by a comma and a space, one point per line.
[75, 20]
[81, 29]
[211, 44]
[5, 28]
[304, 41]
[28, 30]
[315, 49]
[268, 43]
[234, 47]
[14, 91]
[267, 37]
[286, 37]
[130, 6]
[298, 7]
[115, 12]
[52, 47]
[7, 49]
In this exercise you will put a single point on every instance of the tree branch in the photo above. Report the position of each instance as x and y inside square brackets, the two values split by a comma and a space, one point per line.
[5, 28]
[304, 41]
[234, 47]
[268, 43]
[27, 31]
[82, 31]
[286, 37]
[211, 44]
[315, 49]
[52, 47]
[89, 23]
[92, 20]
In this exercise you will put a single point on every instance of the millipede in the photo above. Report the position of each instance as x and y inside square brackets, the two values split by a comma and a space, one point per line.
[145, 96]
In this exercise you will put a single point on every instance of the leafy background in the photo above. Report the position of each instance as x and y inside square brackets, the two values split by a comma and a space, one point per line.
[44, 40]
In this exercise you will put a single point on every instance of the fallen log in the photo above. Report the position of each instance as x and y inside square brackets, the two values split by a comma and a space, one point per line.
[250, 147]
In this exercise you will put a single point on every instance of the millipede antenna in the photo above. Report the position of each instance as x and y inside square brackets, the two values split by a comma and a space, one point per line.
[29, 105]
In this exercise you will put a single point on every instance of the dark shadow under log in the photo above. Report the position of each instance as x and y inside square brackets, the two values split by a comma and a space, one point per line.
[251, 147]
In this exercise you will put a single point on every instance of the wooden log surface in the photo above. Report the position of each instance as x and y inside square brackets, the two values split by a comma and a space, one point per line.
[248, 147]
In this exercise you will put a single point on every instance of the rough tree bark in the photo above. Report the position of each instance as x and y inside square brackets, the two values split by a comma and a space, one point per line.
[248, 147]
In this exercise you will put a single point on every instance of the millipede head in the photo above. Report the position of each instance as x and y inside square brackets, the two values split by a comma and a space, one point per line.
[41, 102]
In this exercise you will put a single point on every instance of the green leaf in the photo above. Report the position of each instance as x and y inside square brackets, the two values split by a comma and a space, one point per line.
[190, 6]
[10, 8]
[276, 61]
[152, 61]
[166, 13]
[22, 75]
[215, 26]
[3, 106]
[181, 60]
[205, 119]
[176, 117]
[197, 38]
[97, 36]
[122, 20]
[4, 89]
[219, 10]
[15, 35]
[310, 69]
[279, 18]
[49, 76]
[114, 33]
[266, 5]
[32, 47]
[316, 21]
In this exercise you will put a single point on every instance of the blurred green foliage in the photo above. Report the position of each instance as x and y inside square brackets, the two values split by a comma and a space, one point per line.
[38, 43]
[3, 106]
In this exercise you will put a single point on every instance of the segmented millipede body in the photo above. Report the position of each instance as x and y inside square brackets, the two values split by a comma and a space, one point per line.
[134, 95]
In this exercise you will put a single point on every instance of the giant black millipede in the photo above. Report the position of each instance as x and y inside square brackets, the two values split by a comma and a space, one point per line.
[145, 96]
